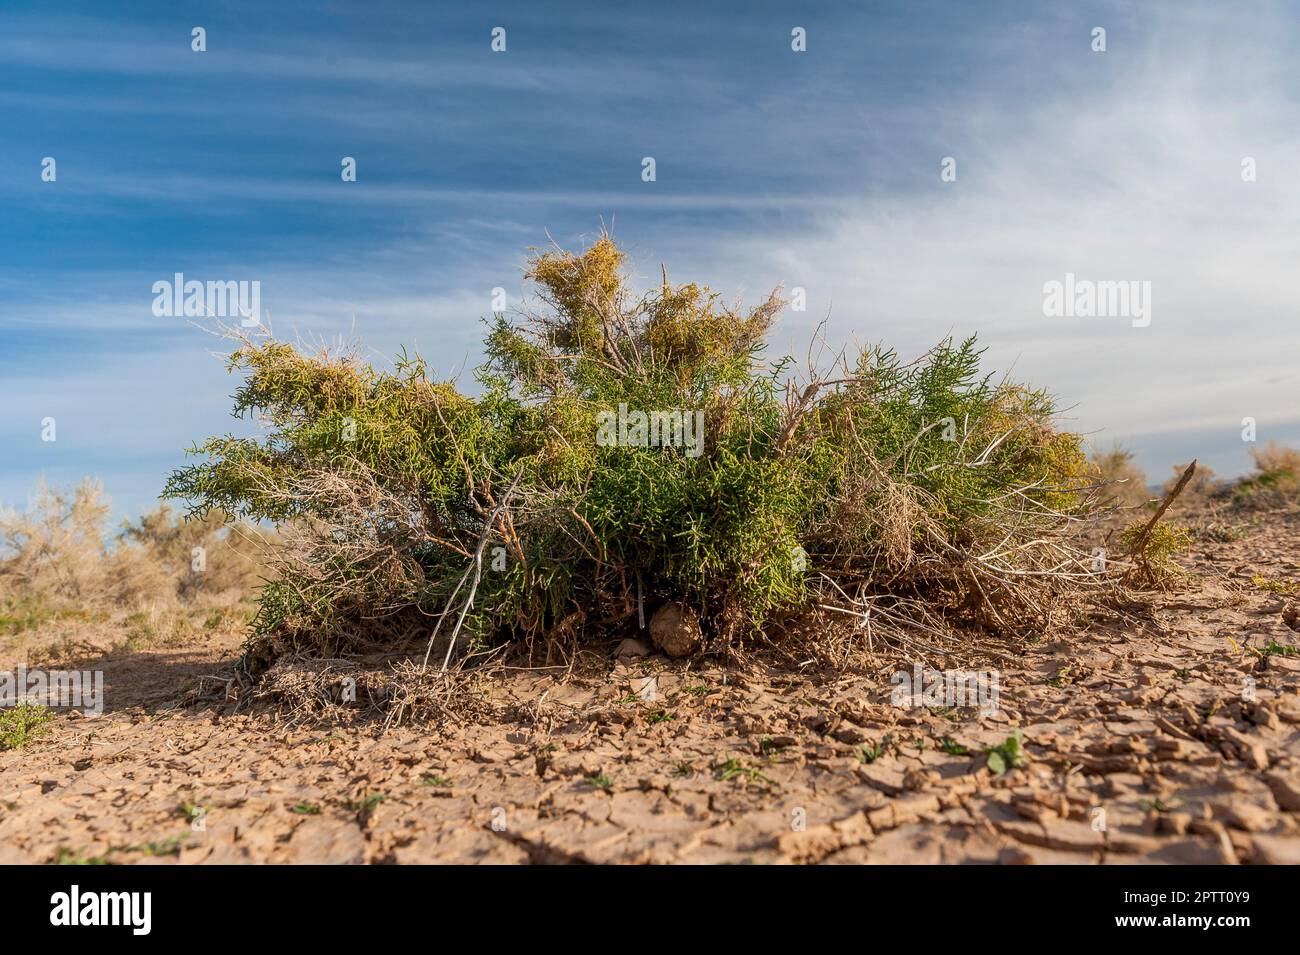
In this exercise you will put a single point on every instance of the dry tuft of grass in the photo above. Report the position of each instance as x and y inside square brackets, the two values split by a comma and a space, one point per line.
[1203, 490]
[61, 564]
[1124, 484]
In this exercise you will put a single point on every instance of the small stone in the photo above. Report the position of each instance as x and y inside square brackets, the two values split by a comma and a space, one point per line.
[1245, 816]
[848, 733]
[675, 629]
[1261, 715]
[1276, 850]
[632, 647]
[1285, 789]
[1015, 855]
[1250, 750]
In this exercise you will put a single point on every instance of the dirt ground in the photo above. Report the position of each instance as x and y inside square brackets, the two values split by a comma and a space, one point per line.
[1144, 745]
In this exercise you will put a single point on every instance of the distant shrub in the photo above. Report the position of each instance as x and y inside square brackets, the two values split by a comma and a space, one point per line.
[1275, 480]
[60, 553]
[1124, 483]
[1203, 487]
[545, 499]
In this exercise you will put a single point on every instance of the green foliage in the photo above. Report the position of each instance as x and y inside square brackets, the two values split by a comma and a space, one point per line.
[1008, 754]
[1273, 648]
[736, 769]
[66, 855]
[1285, 588]
[879, 470]
[23, 724]
[952, 747]
[20, 615]
[871, 752]
[1165, 542]
[1275, 480]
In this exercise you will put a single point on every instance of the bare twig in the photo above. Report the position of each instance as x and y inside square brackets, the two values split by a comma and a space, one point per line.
[476, 566]
[1137, 549]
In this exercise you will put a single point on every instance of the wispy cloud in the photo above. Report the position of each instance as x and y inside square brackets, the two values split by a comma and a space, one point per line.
[818, 170]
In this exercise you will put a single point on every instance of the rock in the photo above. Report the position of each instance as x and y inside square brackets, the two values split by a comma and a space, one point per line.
[323, 839]
[1286, 790]
[915, 780]
[1189, 852]
[1276, 850]
[848, 733]
[631, 647]
[1245, 816]
[1288, 708]
[1130, 842]
[886, 779]
[1015, 855]
[1060, 834]
[1261, 715]
[675, 629]
[901, 811]
[1035, 812]
[1250, 751]
[1176, 822]
[808, 845]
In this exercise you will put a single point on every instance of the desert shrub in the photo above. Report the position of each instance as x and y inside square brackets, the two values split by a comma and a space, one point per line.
[541, 507]
[23, 724]
[1203, 488]
[1154, 554]
[1124, 483]
[56, 548]
[201, 557]
[1275, 480]
[60, 556]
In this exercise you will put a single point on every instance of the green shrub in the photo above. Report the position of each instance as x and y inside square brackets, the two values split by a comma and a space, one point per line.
[22, 724]
[925, 479]
[1154, 555]
[1275, 480]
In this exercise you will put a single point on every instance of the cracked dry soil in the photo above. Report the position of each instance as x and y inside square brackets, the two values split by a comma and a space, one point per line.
[1142, 745]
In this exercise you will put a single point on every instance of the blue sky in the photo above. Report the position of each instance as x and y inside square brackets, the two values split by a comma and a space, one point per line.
[816, 169]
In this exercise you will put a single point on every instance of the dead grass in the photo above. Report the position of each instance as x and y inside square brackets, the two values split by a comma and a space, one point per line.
[1124, 483]
[59, 557]
[391, 691]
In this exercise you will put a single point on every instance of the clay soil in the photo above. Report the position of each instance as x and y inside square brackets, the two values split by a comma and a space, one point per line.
[1144, 744]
